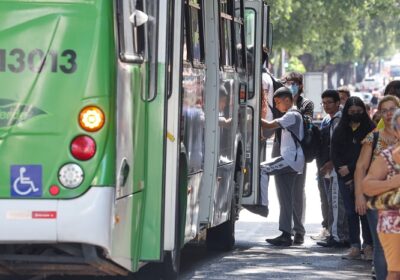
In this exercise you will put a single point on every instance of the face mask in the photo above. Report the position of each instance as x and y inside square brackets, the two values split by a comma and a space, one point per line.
[356, 117]
[294, 89]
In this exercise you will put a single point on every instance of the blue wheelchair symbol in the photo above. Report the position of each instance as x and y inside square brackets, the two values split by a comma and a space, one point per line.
[26, 180]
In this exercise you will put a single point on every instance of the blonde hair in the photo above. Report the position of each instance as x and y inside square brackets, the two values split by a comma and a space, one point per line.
[387, 98]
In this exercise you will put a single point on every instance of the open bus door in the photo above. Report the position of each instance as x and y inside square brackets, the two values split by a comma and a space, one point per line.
[258, 40]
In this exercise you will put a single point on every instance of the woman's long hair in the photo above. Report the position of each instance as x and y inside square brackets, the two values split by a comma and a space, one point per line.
[366, 125]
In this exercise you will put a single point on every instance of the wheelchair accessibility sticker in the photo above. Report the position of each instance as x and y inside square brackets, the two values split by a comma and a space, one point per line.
[26, 180]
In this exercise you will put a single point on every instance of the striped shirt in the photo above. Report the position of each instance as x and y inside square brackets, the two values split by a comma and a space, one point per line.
[305, 106]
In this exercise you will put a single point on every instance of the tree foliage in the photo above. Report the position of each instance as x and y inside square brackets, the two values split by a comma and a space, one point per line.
[324, 33]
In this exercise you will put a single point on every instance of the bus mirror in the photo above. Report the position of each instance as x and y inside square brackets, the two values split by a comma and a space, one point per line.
[138, 18]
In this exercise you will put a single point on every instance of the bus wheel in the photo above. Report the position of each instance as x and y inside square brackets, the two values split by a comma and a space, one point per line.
[222, 237]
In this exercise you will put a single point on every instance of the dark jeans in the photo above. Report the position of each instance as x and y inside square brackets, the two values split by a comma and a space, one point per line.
[379, 257]
[353, 218]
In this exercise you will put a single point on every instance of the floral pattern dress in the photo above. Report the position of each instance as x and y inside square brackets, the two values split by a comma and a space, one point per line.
[389, 220]
[381, 144]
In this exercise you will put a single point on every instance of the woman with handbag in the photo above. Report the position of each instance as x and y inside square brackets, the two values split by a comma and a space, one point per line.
[373, 144]
[383, 182]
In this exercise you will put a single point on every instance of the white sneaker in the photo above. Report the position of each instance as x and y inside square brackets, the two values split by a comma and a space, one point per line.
[324, 234]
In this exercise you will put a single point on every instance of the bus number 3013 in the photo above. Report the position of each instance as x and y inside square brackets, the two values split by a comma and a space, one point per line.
[37, 61]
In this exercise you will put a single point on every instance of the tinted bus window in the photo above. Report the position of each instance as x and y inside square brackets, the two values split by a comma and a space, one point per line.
[130, 37]
[226, 48]
[250, 31]
[194, 32]
[239, 35]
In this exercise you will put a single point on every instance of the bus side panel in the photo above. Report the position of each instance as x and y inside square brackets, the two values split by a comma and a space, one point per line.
[130, 164]
[127, 231]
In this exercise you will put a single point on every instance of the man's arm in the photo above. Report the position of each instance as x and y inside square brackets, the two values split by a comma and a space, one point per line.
[269, 125]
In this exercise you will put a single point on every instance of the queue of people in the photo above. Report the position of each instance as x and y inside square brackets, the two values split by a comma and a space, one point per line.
[359, 159]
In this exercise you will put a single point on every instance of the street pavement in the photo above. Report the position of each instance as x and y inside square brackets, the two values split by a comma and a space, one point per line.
[253, 258]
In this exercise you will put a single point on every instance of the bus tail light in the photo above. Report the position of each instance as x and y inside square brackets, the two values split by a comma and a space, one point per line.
[91, 118]
[83, 147]
[70, 175]
[54, 190]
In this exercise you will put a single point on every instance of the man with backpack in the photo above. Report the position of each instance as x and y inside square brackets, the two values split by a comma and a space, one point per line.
[287, 165]
[294, 81]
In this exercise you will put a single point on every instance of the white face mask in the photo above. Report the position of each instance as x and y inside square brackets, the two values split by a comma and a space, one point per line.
[294, 89]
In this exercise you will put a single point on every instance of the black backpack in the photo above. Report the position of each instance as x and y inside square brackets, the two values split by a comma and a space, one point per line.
[311, 142]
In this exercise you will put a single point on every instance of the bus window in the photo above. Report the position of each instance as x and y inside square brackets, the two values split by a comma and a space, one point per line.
[247, 187]
[193, 118]
[137, 32]
[250, 31]
[193, 78]
[185, 55]
[225, 117]
[226, 9]
[239, 35]
[195, 33]
[131, 36]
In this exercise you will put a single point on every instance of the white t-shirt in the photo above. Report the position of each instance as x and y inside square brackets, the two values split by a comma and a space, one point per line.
[292, 121]
[268, 86]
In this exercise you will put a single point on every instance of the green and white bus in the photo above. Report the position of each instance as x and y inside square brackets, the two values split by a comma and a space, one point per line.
[124, 131]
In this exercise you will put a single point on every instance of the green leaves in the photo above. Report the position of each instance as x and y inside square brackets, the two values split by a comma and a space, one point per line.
[336, 31]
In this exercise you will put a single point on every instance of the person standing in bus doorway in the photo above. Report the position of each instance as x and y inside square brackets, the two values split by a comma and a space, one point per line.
[285, 167]
[294, 81]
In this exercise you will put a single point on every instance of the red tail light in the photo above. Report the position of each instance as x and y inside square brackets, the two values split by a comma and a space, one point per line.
[83, 147]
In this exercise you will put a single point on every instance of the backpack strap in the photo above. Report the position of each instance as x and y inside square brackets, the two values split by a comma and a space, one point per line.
[374, 143]
[375, 135]
[295, 138]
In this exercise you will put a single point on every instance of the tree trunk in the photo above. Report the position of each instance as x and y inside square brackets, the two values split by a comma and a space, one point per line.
[308, 61]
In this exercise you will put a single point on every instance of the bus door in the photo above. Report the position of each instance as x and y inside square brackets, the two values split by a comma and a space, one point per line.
[140, 132]
[257, 37]
[193, 111]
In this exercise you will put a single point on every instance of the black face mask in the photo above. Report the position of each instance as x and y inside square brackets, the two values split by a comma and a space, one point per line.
[357, 118]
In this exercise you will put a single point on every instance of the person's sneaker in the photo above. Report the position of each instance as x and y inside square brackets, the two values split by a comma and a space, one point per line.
[332, 243]
[298, 239]
[373, 273]
[261, 210]
[324, 234]
[281, 240]
[329, 242]
[368, 253]
[353, 254]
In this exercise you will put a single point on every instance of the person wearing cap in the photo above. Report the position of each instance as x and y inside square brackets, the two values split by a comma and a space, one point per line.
[286, 166]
